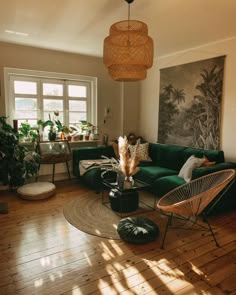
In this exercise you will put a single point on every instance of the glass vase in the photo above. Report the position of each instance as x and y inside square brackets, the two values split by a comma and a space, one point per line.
[128, 182]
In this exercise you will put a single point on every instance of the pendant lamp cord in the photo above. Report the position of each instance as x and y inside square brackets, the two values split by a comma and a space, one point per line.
[129, 2]
[128, 42]
[128, 13]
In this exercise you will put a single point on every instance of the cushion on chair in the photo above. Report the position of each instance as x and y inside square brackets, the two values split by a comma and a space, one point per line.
[137, 230]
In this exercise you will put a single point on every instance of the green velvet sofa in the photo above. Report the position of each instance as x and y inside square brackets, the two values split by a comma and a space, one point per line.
[161, 173]
[167, 160]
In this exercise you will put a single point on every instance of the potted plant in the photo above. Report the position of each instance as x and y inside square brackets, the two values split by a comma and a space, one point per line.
[27, 133]
[86, 128]
[55, 126]
[49, 123]
[16, 163]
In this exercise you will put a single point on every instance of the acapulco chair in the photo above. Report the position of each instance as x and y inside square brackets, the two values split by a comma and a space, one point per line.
[188, 201]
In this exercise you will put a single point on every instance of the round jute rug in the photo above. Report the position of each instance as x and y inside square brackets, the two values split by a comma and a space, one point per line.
[87, 213]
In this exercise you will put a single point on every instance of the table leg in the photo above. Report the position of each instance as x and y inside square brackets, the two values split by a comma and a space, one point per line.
[68, 170]
[53, 172]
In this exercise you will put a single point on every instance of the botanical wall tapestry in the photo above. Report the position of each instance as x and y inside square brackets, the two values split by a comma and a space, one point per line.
[190, 104]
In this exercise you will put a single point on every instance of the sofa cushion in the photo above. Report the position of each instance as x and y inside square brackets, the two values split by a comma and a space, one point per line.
[141, 151]
[192, 163]
[201, 171]
[168, 156]
[167, 183]
[212, 155]
[150, 173]
[92, 178]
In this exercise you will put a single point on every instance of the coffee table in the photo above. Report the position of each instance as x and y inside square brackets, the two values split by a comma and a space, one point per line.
[125, 201]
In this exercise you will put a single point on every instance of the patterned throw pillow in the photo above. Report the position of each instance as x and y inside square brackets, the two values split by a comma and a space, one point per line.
[142, 151]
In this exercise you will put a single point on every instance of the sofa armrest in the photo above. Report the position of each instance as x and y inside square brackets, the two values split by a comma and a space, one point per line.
[89, 153]
[201, 171]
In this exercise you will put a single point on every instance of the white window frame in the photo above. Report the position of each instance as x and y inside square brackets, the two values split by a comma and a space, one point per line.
[21, 74]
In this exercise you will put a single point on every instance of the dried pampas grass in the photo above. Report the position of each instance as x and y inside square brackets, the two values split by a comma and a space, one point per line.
[128, 164]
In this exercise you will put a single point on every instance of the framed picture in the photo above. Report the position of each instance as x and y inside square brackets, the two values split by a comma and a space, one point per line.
[190, 104]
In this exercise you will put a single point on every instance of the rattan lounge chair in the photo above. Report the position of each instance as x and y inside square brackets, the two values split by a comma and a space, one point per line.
[189, 200]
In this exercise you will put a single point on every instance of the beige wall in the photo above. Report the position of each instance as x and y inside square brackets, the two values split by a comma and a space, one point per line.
[149, 101]
[131, 107]
[110, 93]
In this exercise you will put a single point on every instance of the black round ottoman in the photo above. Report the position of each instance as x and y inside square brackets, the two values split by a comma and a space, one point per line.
[137, 230]
[125, 201]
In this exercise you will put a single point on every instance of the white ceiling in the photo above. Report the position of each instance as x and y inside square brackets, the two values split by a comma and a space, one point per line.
[80, 26]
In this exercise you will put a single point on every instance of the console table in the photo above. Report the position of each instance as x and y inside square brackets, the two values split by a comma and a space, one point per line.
[54, 152]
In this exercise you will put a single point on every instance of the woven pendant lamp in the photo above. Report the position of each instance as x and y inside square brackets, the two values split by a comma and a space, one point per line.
[128, 50]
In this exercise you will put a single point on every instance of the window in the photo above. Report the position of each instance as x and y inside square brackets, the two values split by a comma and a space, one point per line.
[32, 95]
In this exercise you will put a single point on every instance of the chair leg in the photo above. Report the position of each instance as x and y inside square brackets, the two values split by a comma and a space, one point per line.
[210, 229]
[169, 221]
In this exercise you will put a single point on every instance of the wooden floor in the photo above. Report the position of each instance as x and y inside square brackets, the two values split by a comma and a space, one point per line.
[41, 253]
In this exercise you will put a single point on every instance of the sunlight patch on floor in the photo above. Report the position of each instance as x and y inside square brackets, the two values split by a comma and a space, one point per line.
[197, 270]
[107, 254]
[107, 257]
[52, 277]
[38, 283]
[114, 225]
[76, 291]
[45, 261]
[87, 258]
[108, 290]
[116, 247]
[59, 273]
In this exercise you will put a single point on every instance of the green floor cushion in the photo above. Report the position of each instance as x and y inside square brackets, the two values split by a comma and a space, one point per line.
[150, 173]
[137, 230]
[165, 184]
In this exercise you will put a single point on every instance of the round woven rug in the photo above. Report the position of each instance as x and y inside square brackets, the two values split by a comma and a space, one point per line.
[87, 213]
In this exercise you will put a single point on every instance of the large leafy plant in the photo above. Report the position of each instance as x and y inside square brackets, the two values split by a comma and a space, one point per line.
[16, 163]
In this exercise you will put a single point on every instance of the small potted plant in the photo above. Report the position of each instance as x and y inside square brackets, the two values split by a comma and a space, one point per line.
[86, 128]
[27, 133]
[55, 126]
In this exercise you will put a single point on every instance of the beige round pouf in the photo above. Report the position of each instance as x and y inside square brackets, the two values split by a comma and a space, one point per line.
[36, 191]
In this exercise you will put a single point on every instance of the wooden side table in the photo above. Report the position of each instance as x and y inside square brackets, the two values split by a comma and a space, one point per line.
[54, 152]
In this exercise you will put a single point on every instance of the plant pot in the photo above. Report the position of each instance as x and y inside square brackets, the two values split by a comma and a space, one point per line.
[86, 137]
[62, 135]
[52, 136]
